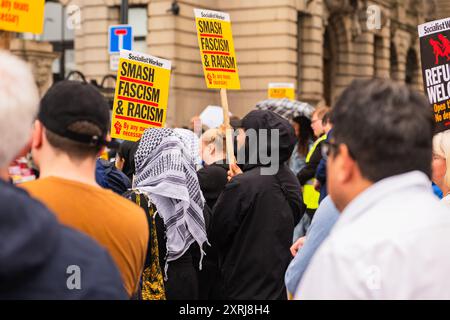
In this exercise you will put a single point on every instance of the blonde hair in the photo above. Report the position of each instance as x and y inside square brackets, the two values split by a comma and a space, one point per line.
[441, 147]
[216, 136]
[19, 101]
[321, 111]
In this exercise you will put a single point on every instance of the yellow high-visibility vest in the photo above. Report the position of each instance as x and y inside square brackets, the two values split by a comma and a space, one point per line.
[310, 195]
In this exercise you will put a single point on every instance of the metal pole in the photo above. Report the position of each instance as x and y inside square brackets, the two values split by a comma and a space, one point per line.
[124, 12]
[62, 67]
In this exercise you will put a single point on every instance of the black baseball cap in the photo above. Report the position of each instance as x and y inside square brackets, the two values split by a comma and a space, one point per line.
[68, 102]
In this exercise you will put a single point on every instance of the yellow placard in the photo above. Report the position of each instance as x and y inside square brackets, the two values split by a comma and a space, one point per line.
[22, 15]
[140, 99]
[215, 40]
[281, 91]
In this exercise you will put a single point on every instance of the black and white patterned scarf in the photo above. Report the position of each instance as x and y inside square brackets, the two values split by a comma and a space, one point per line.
[165, 171]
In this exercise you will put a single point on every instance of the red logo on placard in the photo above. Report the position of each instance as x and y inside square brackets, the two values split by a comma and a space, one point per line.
[118, 127]
[441, 48]
[210, 78]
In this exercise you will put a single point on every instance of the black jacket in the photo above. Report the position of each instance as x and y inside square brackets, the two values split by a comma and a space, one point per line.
[212, 180]
[309, 170]
[37, 252]
[109, 177]
[181, 282]
[254, 219]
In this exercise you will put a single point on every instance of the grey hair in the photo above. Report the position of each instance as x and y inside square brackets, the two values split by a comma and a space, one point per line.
[19, 101]
[441, 147]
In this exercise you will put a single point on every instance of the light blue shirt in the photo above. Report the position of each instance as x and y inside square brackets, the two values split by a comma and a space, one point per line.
[296, 162]
[322, 223]
[391, 242]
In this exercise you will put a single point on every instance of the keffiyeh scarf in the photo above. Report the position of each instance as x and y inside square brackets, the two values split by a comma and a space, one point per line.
[165, 172]
[193, 144]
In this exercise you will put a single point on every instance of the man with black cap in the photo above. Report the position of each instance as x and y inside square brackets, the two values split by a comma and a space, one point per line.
[69, 134]
[254, 218]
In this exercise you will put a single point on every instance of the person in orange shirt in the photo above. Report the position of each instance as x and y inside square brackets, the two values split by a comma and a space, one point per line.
[69, 134]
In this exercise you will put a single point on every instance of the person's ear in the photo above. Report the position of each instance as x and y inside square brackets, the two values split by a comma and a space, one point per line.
[346, 165]
[211, 149]
[37, 135]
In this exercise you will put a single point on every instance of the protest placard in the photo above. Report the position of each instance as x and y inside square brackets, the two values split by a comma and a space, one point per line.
[141, 95]
[435, 52]
[215, 40]
[281, 90]
[22, 15]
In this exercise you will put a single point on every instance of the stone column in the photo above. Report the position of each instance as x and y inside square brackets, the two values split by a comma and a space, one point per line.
[91, 40]
[40, 56]
[265, 38]
[5, 39]
[174, 37]
[402, 40]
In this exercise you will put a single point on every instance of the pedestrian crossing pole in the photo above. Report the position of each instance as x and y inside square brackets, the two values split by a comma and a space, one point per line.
[124, 12]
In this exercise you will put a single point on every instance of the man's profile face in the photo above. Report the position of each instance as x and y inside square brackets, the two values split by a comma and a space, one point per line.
[334, 183]
[316, 125]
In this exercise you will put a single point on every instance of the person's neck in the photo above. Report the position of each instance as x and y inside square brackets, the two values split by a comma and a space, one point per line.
[4, 175]
[445, 190]
[62, 166]
[320, 135]
[219, 157]
[356, 190]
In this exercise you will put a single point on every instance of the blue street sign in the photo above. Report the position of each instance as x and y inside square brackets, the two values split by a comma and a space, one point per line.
[120, 37]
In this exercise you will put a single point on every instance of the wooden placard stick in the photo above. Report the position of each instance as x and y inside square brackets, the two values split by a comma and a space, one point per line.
[227, 126]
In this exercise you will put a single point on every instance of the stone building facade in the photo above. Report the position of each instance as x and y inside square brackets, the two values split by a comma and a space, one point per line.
[40, 56]
[320, 45]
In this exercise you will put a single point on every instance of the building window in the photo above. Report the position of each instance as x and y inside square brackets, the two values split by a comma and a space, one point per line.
[137, 18]
[61, 37]
[394, 62]
[378, 58]
[412, 69]
[329, 64]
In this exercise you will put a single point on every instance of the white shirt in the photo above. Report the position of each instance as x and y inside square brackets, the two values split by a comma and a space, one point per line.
[446, 200]
[391, 242]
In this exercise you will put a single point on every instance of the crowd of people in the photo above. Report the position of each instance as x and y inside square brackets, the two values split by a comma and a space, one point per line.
[350, 212]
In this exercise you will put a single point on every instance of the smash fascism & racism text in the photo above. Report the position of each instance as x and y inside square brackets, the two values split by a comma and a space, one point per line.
[136, 87]
[216, 49]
